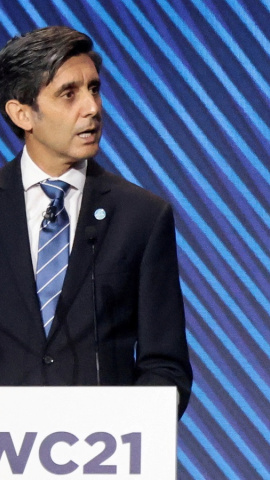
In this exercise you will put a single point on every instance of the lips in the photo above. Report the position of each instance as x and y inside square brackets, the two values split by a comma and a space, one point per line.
[89, 129]
[87, 134]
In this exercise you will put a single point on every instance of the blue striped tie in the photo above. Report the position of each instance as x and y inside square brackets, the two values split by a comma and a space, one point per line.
[53, 250]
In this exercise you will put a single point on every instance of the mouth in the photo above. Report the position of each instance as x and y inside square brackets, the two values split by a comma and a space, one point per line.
[89, 133]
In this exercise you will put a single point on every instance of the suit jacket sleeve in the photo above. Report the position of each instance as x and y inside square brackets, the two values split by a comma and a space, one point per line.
[162, 354]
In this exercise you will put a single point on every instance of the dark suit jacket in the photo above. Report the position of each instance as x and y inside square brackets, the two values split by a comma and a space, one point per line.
[138, 299]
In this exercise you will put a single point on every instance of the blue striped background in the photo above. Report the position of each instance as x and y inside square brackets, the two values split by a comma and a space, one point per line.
[186, 93]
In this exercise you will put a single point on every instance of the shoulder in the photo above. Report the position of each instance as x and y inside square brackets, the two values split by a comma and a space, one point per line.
[128, 194]
[10, 172]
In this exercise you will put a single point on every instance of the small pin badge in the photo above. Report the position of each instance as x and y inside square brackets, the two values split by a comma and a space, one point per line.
[100, 214]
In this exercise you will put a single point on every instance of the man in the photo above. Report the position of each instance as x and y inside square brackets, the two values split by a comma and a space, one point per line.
[90, 290]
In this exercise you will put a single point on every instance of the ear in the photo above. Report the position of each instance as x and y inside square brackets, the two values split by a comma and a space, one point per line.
[20, 114]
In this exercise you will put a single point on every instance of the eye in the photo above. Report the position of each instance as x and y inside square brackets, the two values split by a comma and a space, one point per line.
[94, 88]
[69, 94]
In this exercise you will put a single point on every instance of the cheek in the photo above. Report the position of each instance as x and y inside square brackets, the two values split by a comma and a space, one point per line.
[56, 127]
[100, 107]
[51, 133]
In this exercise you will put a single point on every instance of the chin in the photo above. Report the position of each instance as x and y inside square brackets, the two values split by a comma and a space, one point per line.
[92, 152]
[84, 154]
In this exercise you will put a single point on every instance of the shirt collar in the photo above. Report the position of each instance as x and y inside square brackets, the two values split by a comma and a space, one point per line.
[32, 175]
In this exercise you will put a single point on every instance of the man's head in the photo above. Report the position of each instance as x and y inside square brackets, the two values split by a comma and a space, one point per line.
[30, 62]
[49, 94]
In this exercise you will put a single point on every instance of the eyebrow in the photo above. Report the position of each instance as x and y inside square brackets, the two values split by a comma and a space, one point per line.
[70, 85]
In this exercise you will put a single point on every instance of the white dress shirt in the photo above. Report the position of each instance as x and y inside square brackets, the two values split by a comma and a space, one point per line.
[36, 200]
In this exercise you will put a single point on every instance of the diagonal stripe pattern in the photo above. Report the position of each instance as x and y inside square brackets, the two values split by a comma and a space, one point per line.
[53, 250]
[194, 126]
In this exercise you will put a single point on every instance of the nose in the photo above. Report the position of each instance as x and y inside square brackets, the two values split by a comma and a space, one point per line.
[91, 104]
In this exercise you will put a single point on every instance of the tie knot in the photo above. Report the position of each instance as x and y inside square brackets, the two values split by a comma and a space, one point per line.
[55, 189]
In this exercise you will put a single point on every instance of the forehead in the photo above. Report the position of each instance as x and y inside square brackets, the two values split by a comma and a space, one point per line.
[79, 70]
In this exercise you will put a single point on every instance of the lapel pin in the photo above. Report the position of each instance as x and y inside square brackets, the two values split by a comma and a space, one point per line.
[100, 214]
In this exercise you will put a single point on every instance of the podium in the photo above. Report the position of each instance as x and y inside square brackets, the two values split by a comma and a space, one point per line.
[81, 433]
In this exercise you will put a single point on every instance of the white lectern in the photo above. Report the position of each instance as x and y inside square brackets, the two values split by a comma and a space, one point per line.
[88, 433]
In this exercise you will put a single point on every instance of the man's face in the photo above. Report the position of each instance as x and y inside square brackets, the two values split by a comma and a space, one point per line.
[66, 128]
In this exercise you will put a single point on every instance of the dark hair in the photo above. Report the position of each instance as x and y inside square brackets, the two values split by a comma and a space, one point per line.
[30, 62]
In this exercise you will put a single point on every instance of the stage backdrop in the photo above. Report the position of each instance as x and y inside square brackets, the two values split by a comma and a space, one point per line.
[186, 89]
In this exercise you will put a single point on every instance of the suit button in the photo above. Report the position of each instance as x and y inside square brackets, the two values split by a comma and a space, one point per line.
[47, 360]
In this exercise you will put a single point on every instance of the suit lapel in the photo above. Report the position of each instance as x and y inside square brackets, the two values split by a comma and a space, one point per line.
[14, 235]
[95, 197]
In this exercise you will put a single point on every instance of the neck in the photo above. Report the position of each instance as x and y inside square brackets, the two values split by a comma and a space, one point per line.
[52, 165]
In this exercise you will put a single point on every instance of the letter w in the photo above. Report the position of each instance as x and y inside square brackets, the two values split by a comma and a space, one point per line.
[17, 462]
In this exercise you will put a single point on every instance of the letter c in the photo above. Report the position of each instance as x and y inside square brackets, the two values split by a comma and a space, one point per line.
[45, 453]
